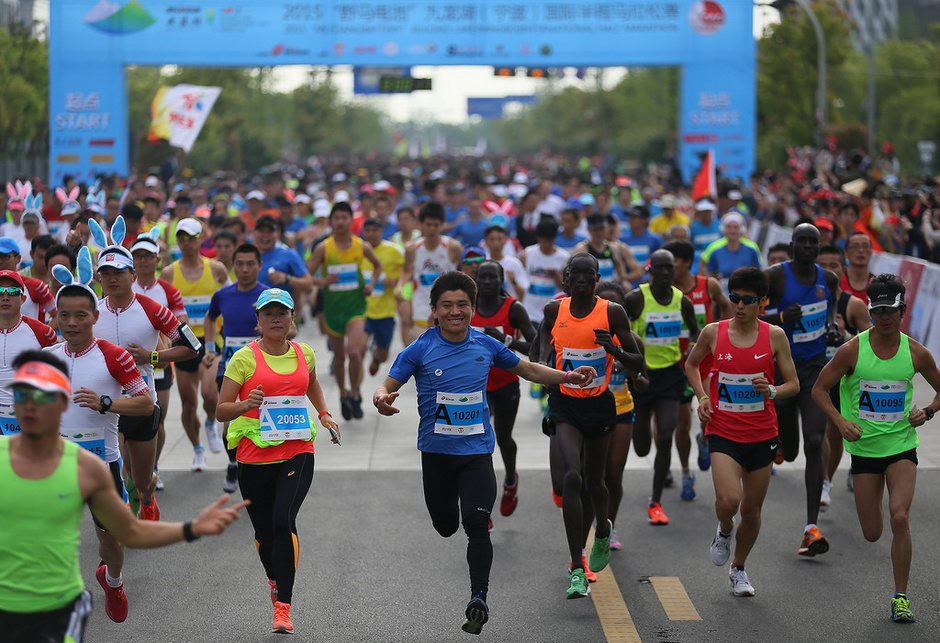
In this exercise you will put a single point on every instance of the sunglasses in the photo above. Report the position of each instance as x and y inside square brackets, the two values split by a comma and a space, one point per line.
[13, 291]
[469, 261]
[883, 310]
[747, 300]
[34, 395]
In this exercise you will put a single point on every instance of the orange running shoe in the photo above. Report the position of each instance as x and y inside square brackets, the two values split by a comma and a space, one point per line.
[151, 511]
[282, 623]
[814, 543]
[655, 514]
[778, 457]
[588, 574]
[273, 592]
[556, 498]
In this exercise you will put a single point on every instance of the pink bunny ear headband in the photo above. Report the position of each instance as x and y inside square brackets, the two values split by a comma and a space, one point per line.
[17, 195]
[69, 201]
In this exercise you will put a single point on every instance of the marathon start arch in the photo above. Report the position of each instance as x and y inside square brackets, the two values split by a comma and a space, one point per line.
[91, 41]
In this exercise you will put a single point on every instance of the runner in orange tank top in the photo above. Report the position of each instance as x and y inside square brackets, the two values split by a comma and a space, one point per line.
[578, 331]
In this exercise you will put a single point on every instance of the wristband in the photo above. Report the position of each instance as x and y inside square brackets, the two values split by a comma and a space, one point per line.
[210, 348]
[703, 398]
[507, 340]
[781, 318]
[188, 534]
[154, 357]
[320, 417]
[566, 376]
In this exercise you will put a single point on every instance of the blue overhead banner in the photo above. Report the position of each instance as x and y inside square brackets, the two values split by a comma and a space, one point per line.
[90, 43]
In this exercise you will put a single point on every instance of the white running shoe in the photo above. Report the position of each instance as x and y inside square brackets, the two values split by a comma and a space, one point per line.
[720, 548]
[825, 498]
[199, 459]
[215, 440]
[740, 584]
[158, 485]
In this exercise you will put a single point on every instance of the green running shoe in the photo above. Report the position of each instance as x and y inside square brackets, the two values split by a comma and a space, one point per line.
[133, 496]
[577, 585]
[901, 609]
[600, 551]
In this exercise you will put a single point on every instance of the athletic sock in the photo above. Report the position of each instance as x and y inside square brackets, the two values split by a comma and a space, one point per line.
[112, 582]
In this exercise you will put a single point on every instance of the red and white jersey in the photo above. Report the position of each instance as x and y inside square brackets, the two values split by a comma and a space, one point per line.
[28, 334]
[141, 323]
[165, 293]
[39, 299]
[105, 369]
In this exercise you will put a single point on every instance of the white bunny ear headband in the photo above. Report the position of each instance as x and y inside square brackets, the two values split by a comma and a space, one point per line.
[17, 194]
[147, 241]
[70, 204]
[95, 201]
[85, 272]
[34, 204]
[112, 254]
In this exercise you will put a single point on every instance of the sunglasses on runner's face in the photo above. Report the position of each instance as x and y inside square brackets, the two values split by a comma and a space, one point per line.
[747, 300]
[13, 291]
[24, 395]
[469, 261]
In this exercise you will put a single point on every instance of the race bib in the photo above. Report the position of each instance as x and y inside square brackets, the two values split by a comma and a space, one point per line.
[90, 439]
[881, 401]
[541, 286]
[284, 417]
[662, 329]
[736, 393]
[8, 423]
[378, 290]
[196, 308]
[572, 358]
[606, 269]
[232, 344]
[700, 318]
[618, 381]
[459, 414]
[813, 323]
[158, 374]
[348, 275]
[426, 279]
[831, 351]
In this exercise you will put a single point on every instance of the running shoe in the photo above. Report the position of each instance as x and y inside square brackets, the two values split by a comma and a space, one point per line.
[282, 623]
[577, 585]
[656, 515]
[740, 584]
[133, 496]
[615, 543]
[720, 548]
[814, 543]
[345, 407]
[489, 524]
[825, 498]
[591, 576]
[600, 551]
[151, 511]
[215, 439]
[231, 478]
[850, 481]
[356, 407]
[556, 498]
[158, 485]
[688, 487]
[669, 481]
[778, 457]
[704, 457]
[477, 614]
[901, 609]
[535, 390]
[373, 367]
[199, 459]
[115, 601]
[509, 501]
[273, 585]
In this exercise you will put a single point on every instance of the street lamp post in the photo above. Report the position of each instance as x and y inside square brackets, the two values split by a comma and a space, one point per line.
[821, 65]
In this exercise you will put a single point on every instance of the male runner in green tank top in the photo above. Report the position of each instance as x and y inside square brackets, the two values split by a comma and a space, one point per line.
[878, 421]
[46, 482]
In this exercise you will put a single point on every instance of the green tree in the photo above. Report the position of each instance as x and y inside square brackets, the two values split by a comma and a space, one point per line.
[24, 76]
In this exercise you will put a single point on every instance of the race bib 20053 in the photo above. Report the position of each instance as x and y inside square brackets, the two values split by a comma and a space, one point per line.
[284, 417]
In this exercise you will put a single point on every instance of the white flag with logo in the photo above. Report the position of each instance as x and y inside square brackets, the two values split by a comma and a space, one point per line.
[180, 112]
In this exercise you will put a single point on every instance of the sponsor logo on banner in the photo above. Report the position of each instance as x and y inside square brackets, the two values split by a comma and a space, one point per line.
[707, 17]
[120, 20]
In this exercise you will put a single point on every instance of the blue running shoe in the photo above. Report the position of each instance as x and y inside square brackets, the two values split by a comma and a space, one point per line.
[688, 487]
[901, 609]
[704, 457]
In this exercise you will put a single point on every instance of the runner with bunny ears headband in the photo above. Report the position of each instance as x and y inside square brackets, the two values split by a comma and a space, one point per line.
[16, 195]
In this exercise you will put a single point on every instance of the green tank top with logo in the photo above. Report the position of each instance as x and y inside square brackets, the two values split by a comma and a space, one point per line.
[877, 396]
[40, 532]
[660, 326]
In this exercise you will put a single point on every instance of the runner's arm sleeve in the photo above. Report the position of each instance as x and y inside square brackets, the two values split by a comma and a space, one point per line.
[122, 368]
[45, 335]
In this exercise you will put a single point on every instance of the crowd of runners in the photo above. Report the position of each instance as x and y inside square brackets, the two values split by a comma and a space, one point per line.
[642, 317]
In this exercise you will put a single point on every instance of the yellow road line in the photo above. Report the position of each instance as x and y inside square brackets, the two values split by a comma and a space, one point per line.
[612, 610]
[674, 598]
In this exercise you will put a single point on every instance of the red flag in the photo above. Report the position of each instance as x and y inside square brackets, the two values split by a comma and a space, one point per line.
[705, 183]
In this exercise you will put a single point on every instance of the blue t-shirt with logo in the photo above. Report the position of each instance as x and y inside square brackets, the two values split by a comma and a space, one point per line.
[450, 378]
[283, 260]
[237, 310]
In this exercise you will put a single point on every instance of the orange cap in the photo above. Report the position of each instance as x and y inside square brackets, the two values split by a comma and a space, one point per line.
[42, 376]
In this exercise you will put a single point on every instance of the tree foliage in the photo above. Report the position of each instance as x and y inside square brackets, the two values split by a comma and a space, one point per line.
[24, 77]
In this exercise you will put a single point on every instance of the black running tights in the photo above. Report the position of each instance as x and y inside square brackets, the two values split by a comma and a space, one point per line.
[276, 492]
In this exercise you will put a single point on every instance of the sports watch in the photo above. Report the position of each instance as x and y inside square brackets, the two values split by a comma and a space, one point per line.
[105, 404]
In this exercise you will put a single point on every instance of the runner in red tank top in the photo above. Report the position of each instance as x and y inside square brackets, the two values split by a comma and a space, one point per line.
[707, 298]
[741, 425]
[505, 319]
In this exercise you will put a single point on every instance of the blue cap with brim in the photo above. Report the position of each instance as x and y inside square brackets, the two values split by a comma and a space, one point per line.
[274, 296]
[8, 245]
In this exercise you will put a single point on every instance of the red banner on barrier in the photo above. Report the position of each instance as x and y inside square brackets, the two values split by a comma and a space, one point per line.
[911, 271]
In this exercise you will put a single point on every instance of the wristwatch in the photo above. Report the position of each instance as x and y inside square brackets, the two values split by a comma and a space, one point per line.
[773, 391]
[929, 412]
[105, 404]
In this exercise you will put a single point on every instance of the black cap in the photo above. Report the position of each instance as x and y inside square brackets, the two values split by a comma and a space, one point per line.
[881, 295]
[267, 221]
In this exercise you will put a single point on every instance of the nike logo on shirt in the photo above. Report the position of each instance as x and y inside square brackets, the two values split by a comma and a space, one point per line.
[761, 355]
